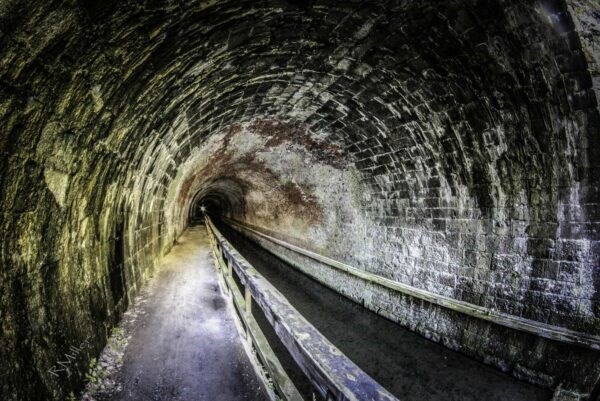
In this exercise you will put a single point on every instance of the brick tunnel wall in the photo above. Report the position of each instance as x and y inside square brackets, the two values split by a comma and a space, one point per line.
[451, 147]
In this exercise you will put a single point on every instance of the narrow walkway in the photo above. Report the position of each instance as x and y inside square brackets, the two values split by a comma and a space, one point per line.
[183, 341]
[406, 364]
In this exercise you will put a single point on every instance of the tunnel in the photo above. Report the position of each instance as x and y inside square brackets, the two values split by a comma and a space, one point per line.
[434, 163]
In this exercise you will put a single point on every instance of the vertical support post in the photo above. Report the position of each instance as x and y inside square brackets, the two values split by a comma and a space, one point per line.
[248, 311]
[248, 299]
[224, 274]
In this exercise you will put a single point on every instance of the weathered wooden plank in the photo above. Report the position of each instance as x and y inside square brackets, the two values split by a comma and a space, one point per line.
[332, 374]
[540, 329]
[281, 381]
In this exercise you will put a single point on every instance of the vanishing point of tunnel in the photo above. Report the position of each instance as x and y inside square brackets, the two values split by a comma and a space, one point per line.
[299, 200]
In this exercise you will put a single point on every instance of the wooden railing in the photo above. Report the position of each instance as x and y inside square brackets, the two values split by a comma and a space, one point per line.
[333, 375]
[552, 332]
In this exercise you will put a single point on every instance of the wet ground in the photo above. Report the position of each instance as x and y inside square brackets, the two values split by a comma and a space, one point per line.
[408, 365]
[179, 340]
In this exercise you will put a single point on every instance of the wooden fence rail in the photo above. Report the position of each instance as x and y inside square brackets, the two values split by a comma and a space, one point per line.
[333, 375]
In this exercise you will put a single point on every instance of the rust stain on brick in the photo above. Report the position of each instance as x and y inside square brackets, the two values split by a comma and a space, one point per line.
[293, 198]
[230, 132]
[185, 189]
[303, 201]
[279, 132]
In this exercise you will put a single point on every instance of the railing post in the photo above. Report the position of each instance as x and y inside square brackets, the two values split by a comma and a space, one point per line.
[224, 277]
[248, 299]
[248, 302]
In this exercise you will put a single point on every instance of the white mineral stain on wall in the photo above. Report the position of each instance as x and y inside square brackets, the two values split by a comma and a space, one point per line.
[97, 98]
[58, 183]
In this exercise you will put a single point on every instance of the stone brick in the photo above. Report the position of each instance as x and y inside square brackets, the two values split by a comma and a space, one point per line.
[449, 146]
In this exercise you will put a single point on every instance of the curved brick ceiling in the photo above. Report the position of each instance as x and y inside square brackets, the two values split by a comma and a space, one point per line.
[457, 143]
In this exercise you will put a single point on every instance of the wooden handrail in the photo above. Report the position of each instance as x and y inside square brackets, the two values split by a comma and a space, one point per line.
[331, 373]
[540, 329]
[256, 340]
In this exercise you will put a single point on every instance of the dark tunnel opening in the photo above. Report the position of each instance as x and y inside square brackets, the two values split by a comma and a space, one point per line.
[212, 205]
[223, 197]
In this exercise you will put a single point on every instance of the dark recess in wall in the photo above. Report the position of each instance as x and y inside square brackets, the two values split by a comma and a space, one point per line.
[116, 270]
[97, 10]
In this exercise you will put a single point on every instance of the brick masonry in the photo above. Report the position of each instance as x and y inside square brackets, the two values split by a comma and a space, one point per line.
[450, 146]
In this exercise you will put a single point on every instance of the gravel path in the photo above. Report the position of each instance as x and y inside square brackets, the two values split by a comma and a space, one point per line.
[179, 340]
